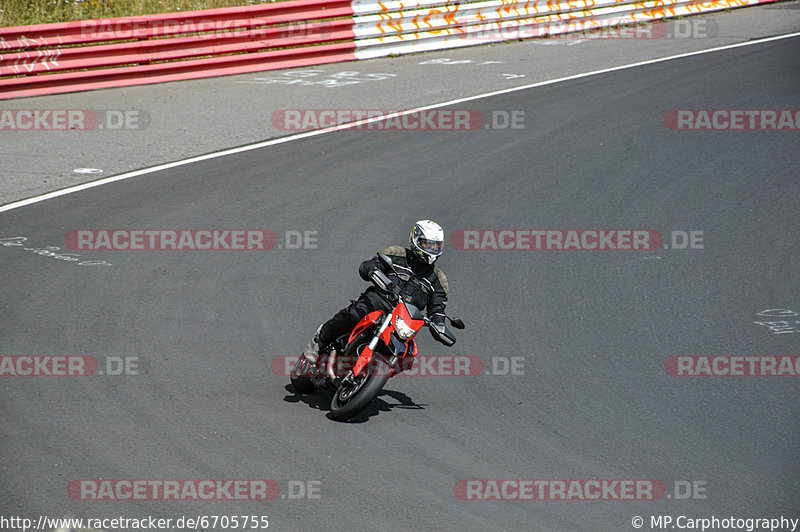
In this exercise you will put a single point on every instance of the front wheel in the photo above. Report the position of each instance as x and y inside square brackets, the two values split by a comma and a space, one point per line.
[352, 398]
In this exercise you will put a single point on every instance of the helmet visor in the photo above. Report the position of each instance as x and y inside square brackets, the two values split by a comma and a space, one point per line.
[434, 247]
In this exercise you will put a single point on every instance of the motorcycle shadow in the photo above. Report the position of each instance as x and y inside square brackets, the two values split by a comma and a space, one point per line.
[322, 401]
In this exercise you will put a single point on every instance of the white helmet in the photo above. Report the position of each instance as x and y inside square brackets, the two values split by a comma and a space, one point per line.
[427, 240]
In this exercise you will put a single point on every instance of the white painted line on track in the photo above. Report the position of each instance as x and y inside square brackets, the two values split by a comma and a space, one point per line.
[307, 134]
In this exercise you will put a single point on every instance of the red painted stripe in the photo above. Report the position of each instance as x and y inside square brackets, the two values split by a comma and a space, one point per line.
[169, 49]
[96, 30]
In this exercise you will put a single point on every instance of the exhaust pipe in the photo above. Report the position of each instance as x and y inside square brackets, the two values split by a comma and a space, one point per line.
[331, 364]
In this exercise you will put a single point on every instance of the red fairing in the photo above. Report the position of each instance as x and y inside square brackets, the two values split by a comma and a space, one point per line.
[365, 322]
[401, 311]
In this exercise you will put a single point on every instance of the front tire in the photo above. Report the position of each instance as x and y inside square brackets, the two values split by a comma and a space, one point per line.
[349, 399]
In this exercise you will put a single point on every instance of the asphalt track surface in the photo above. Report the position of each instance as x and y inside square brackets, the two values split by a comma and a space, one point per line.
[594, 328]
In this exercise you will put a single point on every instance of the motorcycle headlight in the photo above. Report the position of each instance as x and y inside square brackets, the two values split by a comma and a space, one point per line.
[404, 332]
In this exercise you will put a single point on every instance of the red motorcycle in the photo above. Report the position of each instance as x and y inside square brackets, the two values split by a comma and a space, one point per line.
[355, 368]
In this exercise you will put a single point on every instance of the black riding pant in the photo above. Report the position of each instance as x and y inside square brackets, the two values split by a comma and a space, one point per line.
[343, 321]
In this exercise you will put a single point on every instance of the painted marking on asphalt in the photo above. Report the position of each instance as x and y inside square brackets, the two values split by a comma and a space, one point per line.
[87, 171]
[448, 61]
[309, 77]
[307, 134]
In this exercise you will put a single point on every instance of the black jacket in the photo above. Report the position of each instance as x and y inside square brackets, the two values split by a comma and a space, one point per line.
[412, 291]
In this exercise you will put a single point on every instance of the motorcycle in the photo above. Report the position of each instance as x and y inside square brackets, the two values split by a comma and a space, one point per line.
[355, 367]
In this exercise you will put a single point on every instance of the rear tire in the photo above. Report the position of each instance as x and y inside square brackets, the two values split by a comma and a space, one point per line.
[349, 400]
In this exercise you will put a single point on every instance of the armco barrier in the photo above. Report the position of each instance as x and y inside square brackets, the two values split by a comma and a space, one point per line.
[93, 54]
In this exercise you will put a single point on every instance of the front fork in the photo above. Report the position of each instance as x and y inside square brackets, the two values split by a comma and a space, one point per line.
[366, 355]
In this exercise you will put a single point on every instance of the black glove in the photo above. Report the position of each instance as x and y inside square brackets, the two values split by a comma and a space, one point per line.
[375, 272]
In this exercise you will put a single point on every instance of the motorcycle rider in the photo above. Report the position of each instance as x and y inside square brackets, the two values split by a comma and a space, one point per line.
[424, 249]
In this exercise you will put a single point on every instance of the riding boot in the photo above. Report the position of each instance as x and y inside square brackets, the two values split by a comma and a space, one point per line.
[312, 350]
